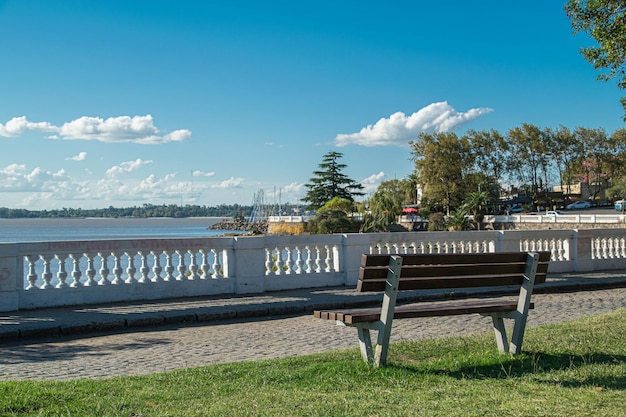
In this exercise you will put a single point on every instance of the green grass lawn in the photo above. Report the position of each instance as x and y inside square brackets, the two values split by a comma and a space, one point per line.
[570, 369]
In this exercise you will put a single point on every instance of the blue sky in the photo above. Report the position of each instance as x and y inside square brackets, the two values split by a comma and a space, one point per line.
[203, 102]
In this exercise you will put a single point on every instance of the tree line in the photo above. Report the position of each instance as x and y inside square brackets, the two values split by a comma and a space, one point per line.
[144, 211]
[526, 160]
[470, 174]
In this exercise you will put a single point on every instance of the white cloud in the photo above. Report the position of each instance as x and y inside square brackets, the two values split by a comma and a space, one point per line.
[13, 169]
[126, 167]
[40, 188]
[80, 157]
[16, 178]
[232, 182]
[398, 129]
[294, 188]
[18, 125]
[137, 129]
[371, 183]
[198, 173]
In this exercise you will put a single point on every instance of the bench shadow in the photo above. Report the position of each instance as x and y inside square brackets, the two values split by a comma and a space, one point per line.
[539, 364]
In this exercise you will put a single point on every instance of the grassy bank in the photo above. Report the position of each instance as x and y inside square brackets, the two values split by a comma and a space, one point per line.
[571, 369]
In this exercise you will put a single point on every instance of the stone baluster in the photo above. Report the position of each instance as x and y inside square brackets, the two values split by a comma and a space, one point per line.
[279, 261]
[117, 269]
[319, 263]
[423, 247]
[76, 272]
[269, 264]
[32, 271]
[411, 248]
[157, 269]
[299, 260]
[182, 268]
[217, 265]
[555, 249]
[104, 269]
[329, 259]
[144, 270]
[193, 266]
[130, 269]
[288, 261]
[309, 259]
[62, 273]
[91, 271]
[169, 267]
[205, 267]
[522, 246]
[47, 273]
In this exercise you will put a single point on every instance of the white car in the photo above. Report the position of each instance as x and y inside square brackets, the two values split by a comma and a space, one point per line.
[578, 205]
[552, 213]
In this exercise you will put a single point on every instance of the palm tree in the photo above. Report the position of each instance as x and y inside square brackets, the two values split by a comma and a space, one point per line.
[476, 203]
[457, 221]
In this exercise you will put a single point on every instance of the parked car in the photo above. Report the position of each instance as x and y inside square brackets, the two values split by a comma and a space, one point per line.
[578, 205]
[619, 205]
[516, 209]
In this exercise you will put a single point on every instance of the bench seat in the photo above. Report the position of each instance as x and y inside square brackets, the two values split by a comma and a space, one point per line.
[429, 309]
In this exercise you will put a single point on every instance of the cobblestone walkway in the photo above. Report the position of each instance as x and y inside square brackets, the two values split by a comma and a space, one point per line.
[174, 347]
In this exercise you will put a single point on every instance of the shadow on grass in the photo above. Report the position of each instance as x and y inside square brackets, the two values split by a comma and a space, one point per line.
[539, 364]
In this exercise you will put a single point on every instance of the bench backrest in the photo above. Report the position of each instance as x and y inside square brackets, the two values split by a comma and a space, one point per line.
[422, 272]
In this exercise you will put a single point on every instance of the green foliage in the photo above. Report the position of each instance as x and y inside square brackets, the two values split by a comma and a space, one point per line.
[436, 222]
[476, 203]
[385, 205]
[458, 221]
[442, 161]
[338, 203]
[329, 181]
[605, 22]
[328, 221]
[375, 223]
[567, 369]
[528, 159]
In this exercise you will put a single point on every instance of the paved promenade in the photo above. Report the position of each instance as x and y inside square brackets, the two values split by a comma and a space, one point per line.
[134, 339]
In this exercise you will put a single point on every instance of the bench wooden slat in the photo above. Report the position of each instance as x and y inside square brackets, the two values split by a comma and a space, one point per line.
[377, 285]
[429, 270]
[448, 258]
[442, 283]
[430, 309]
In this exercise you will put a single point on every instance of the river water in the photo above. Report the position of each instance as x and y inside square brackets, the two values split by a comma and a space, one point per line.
[41, 230]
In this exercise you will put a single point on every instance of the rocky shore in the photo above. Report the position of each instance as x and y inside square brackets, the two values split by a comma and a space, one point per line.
[253, 228]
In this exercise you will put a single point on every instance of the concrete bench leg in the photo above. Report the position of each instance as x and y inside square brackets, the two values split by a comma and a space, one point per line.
[365, 343]
[500, 330]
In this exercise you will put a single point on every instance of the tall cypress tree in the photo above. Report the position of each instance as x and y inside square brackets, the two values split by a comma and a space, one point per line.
[329, 182]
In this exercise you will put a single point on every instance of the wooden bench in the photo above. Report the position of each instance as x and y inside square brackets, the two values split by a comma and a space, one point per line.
[393, 273]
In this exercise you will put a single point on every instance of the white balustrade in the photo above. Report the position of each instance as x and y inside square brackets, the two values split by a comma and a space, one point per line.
[44, 274]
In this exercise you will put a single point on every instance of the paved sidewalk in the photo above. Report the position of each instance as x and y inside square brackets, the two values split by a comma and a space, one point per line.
[170, 347]
[137, 316]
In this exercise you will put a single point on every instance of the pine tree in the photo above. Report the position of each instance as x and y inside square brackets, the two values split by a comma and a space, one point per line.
[329, 182]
